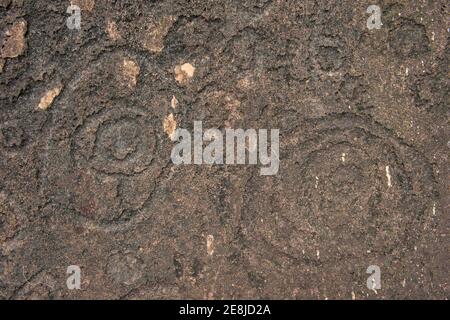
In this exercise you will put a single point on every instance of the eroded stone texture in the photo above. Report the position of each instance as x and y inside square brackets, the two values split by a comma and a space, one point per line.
[362, 114]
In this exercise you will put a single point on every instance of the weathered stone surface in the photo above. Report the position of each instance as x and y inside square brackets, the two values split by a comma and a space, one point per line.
[86, 133]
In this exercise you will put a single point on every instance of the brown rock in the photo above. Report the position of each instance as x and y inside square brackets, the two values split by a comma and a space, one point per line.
[130, 72]
[84, 4]
[154, 40]
[210, 245]
[174, 102]
[49, 96]
[113, 32]
[14, 44]
[184, 72]
[170, 125]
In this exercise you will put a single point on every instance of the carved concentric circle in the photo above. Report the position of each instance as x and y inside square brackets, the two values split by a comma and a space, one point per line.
[116, 141]
[106, 152]
[347, 187]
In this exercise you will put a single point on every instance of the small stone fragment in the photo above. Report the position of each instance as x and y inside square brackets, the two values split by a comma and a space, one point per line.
[170, 125]
[388, 176]
[14, 42]
[184, 72]
[113, 32]
[49, 96]
[210, 245]
[174, 102]
[154, 39]
[131, 72]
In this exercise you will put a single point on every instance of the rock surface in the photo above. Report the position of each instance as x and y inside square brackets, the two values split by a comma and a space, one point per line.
[87, 179]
